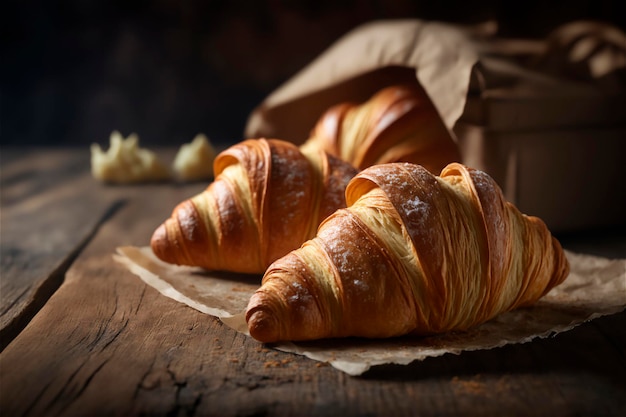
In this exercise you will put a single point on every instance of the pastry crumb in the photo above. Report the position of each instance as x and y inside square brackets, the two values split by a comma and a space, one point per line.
[125, 162]
[271, 364]
[194, 161]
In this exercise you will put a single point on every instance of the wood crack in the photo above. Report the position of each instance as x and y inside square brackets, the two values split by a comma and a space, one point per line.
[186, 402]
[37, 398]
[103, 332]
[54, 281]
[77, 390]
[141, 383]
[14, 302]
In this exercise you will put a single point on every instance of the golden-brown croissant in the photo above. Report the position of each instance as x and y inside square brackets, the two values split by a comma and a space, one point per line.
[397, 124]
[413, 253]
[268, 197]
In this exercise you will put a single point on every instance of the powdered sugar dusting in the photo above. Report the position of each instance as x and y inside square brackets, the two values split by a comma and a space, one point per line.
[333, 238]
[361, 285]
[415, 208]
[292, 172]
[356, 257]
[482, 181]
[298, 296]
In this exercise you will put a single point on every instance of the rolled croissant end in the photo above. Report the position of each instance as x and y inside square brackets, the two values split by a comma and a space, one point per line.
[262, 322]
[182, 239]
[165, 246]
[286, 307]
[160, 244]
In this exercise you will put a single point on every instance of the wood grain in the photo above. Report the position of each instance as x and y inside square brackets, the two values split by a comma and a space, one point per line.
[49, 209]
[106, 344]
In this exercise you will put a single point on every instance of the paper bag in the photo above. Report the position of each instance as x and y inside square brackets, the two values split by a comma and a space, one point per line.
[438, 56]
[542, 118]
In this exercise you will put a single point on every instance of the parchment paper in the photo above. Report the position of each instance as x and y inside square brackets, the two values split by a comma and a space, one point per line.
[595, 287]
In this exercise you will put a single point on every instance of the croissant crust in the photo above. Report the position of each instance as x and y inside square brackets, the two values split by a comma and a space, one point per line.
[413, 253]
[398, 124]
[267, 198]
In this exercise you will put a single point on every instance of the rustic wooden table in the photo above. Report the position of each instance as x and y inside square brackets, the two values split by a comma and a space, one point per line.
[80, 335]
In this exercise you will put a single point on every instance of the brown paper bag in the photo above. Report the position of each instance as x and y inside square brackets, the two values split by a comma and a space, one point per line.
[542, 118]
[372, 56]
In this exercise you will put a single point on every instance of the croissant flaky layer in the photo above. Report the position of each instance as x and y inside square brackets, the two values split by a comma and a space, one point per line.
[268, 197]
[397, 124]
[413, 253]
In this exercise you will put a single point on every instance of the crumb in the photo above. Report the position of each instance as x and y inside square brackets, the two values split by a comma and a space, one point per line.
[125, 162]
[194, 161]
[271, 364]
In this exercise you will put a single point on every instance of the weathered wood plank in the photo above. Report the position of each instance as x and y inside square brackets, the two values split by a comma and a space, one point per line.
[125, 340]
[47, 213]
[107, 344]
[50, 207]
[184, 364]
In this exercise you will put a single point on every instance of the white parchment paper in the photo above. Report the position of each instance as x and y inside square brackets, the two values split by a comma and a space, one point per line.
[595, 287]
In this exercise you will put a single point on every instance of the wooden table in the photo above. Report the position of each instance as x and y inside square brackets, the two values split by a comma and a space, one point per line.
[83, 336]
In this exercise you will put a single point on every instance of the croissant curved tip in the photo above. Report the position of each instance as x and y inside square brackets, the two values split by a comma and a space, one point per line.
[263, 325]
[159, 243]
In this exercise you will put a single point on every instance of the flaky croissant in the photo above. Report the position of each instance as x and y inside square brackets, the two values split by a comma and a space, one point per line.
[397, 124]
[268, 197]
[413, 253]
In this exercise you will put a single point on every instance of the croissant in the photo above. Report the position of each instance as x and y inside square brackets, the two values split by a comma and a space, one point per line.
[413, 253]
[397, 124]
[268, 197]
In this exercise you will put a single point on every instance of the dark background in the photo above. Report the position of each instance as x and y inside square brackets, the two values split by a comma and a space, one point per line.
[73, 71]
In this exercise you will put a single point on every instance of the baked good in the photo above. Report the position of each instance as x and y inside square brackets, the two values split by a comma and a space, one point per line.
[125, 162]
[397, 124]
[267, 198]
[413, 253]
[194, 160]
